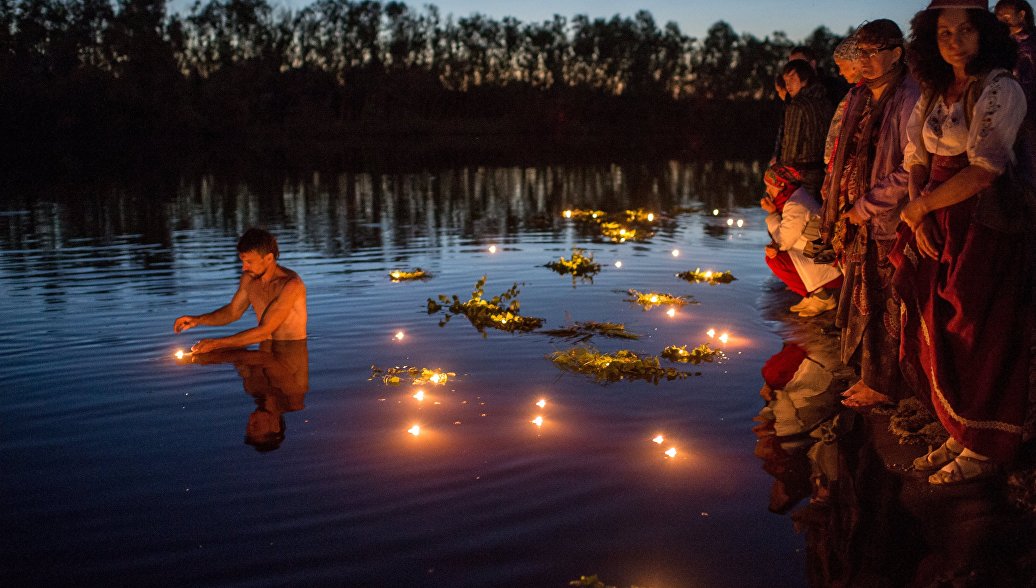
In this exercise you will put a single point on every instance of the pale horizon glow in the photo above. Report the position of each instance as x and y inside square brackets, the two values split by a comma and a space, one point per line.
[760, 18]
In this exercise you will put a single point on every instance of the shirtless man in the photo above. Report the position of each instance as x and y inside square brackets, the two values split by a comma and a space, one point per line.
[276, 293]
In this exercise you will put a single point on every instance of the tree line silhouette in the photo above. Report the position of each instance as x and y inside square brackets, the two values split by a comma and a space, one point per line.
[89, 75]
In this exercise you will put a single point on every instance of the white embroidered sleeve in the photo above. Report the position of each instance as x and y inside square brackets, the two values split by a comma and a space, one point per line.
[998, 113]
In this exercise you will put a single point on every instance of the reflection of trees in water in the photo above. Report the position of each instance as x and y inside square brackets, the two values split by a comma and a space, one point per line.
[138, 226]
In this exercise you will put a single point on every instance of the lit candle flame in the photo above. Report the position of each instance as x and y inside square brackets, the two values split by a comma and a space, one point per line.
[723, 338]
[179, 354]
[594, 215]
[538, 421]
[419, 395]
[708, 275]
[618, 264]
[568, 214]
[671, 312]
[492, 248]
[414, 430]
[653, 298]
[658, 439]
[730, 222]
[676, 253]
[396, 274]
[622, 231]
[399, 335]
[651, 217]
[435, 378]
[711, 333]
[715, 212]
[671, 452]
[542, 403]
[740, 222]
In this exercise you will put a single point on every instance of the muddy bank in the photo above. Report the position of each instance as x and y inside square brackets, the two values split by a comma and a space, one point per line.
[845, 478]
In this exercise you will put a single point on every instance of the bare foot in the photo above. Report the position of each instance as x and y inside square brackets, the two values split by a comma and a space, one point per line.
[857, 387]
[866, 397]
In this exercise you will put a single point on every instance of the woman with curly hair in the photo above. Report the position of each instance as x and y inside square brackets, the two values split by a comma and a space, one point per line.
[960, 268]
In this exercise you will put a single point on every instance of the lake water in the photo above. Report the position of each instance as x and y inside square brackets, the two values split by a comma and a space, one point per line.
[123, 466]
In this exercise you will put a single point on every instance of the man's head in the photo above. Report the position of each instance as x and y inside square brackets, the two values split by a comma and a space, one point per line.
[804, 53]
[1016, 14]
[797, 75]
[880, 43]
[258, 252]
[265, 430]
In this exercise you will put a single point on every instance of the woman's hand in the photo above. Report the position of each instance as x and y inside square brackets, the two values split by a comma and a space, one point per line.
[928, 239]
[913, 213]
[854, 217]
[771, 251]
[766, 203]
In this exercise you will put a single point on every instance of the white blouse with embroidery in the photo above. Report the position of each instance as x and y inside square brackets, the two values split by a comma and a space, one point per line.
[989, 142]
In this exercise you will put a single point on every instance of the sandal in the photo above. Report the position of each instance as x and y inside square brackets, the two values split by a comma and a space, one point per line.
[934, 460]
[963, 469]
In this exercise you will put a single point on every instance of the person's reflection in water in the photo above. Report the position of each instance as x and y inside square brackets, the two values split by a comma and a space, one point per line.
[795, 388]
[277, 377]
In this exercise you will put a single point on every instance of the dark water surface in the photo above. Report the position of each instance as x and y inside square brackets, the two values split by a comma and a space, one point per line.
[122, 465]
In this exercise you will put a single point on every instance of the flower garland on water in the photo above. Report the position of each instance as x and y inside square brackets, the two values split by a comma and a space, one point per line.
[581, 332]
[649, 300]
[403, 275]
[709, 276]
[621, 365]
[619, 227]
[393, 376]
[700, 354]
[579, 266]
[486, 313]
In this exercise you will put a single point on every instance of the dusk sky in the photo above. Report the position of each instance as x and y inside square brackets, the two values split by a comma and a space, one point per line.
[797, 18]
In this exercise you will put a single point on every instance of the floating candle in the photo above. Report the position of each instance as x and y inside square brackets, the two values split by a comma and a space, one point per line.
[671, 312]
[414, 430]
[399, 335]
[419, 395]
[653, 298]
[618, 264]
[723, 338]
[538, 421]
[651, 217]
[542, 403]
[740, 223]
[715, 212]
[676, 253]
[396, 274]
[435, 378]
[711, 333]
[568, 214]
[658, 439]
[730, 222]
[671, 452]
[492, 248]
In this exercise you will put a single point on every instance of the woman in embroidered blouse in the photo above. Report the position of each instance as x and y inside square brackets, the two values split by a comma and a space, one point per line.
[960, 273]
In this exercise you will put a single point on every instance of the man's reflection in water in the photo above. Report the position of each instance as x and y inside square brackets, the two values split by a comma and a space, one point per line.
[867, 523]
[277, 377]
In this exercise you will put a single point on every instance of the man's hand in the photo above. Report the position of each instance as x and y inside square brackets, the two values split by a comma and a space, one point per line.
[185, 322]
[771, 251]
[205, 346]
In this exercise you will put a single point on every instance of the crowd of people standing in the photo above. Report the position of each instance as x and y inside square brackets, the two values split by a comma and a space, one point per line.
[902, 201]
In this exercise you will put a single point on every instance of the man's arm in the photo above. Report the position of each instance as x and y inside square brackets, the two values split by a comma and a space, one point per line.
[221, 316]
[278, 310]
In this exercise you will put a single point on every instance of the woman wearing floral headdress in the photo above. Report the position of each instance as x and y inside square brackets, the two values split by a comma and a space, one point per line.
[960, 267]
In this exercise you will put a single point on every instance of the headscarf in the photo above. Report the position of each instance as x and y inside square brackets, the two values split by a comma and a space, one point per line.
[784, 178]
